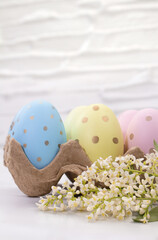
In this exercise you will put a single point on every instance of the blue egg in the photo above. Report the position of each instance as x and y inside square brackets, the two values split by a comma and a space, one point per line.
[40, 131]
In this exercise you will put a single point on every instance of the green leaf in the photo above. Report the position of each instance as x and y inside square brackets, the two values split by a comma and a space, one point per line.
[138, 218]
[156, 145]
[153, 214]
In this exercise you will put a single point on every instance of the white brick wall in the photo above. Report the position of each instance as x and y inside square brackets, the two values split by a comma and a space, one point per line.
[75, 52]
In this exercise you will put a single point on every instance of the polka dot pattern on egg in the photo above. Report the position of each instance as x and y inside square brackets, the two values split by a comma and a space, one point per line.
[105, 118]
[97, 129]
[115, 140]
[46, 143]
[40, 131]
[38, 159]
[143, 130]
[148, 118]
[95, 108]
[95, 139]
[131, 136]
[85, 119]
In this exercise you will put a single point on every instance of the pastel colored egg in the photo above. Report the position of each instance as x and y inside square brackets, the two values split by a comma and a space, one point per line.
[143, 130]
[71, 118]
[97, 129]
[124, 120]
[40, 131]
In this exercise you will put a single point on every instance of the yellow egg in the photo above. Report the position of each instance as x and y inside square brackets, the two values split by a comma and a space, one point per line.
[72, 118]
[97, 129]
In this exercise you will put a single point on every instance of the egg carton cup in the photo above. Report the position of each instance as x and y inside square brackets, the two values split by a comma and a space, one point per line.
[135, 151]
[71, 160]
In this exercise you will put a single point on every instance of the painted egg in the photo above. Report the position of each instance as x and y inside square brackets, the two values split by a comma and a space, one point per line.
[72, 118]
[142, 130]
[124, 120]
[40, 131]
[97, 129]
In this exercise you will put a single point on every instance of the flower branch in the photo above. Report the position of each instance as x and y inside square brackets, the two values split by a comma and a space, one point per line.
[128, 185]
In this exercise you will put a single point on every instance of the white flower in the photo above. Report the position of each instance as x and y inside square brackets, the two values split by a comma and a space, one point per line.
[77, 192]
[118, 207]
[114, 190]
[70, 204]
[128, 200]
[138, 162]
[62, 207]
[74, 204]
[101, 194]
[54, 208]
[112, 174]
[76, 184]
[92, 186]
[63, 191]
[84, 188]
[148, 179]
[138, 179]
[60, 196]
[147, 195]
[69, 195]
[41, 207]
[120, 217]
[54, 190]
[43, 201]
[65, 184]
[129, 213]
[116, 165]
[90, 208]
[141, 211]
[94, 198]
[141, 189]
[59, 188]
[109, 205]
[90, 217]
[136, 208]
[146, 202]
[148, 216]
[129, 189]
[144, 206]
[98, 212]
[144, 220]
[153, 192]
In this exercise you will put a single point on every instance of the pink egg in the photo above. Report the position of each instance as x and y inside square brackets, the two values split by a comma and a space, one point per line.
[143, 130]
[124, 120]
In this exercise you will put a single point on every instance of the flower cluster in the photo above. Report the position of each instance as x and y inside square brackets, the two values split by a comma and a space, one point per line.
[110, 187]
